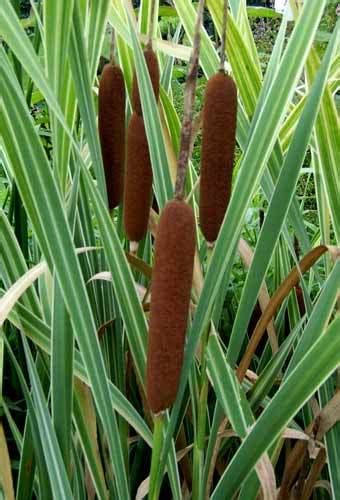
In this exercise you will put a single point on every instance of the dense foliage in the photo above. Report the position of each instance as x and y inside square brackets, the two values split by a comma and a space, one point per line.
[257, 408]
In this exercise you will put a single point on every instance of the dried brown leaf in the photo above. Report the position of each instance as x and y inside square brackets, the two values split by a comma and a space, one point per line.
[266, 475]
[6, 480]
[276, 300]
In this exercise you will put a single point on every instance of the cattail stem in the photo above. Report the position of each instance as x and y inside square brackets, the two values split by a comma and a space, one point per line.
[224, 34]
[112, 47]
[151, 24]
[199, 445]
[154, 485]
[189, 97]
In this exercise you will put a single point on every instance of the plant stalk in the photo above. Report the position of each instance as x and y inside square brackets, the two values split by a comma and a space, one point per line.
[189, 98]
[151, 24]
[155, 483]
[224, 34]
[199, 445]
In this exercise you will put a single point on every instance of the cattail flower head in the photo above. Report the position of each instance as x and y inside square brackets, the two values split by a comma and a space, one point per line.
[218, 145]
[170, 300]
[111, 125]
[138, 181]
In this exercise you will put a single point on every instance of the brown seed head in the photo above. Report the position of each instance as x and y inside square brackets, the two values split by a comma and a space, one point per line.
[170, 299]
[111, 125]
[152, 64]
[138, 181]
[218, 145]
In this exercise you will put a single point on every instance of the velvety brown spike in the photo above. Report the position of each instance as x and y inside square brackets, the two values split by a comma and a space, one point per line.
[152, 64]
[111, 124]
[170, 300]
[218, 145]
[138, 181]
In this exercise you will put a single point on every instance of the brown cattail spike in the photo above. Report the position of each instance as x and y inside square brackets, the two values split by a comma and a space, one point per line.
[218, 145]
[152, 65]
[111, 124]
[138, 181]
[170, 300]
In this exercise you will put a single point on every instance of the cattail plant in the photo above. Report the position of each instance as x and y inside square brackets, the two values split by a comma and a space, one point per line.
[138, 181]
[218, 145]
[111, 125]
[173, 268]
[172, 280]
[136, 384]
